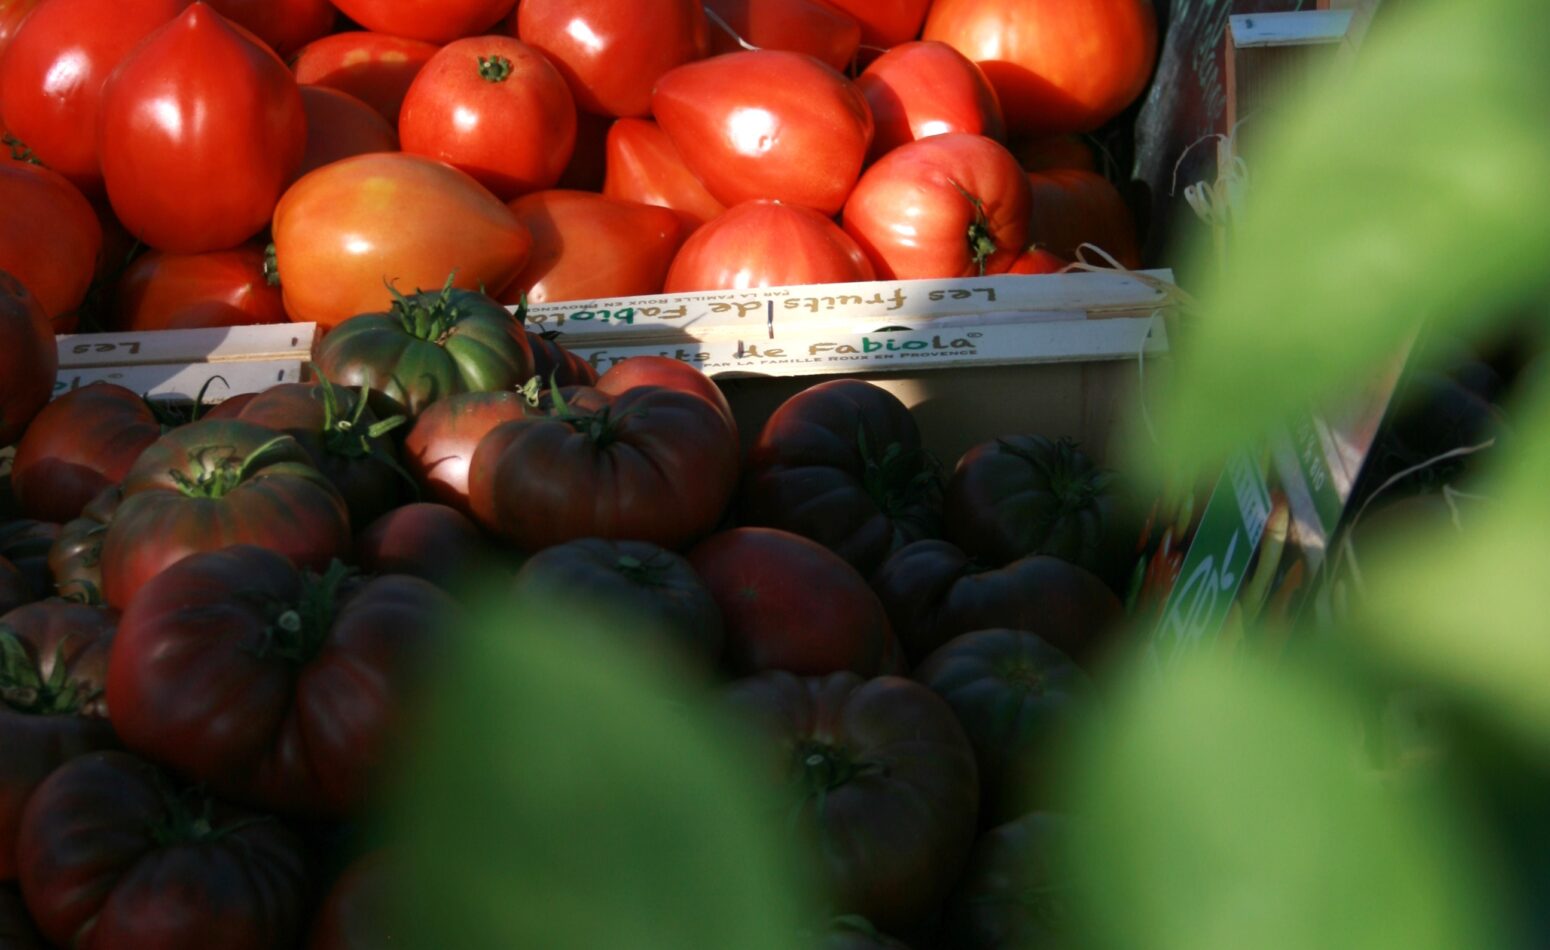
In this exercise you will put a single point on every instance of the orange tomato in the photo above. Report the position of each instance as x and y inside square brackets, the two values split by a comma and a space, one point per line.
[592, 247]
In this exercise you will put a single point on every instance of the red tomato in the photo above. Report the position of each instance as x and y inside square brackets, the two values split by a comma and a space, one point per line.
[49, 238]
[80, 445]
[612, 52]
[340, 126]
[592, 247]
[952, 205]
[201, 130]
[554, 362]
[425, 540]
[644, 165]
[479, 96]
[52, 76]
[767, 244]
[638, 371]
[28, 360]
[373, 68]
[767, 124]
[885, 23]
[438, 448]
[161, 291]
[286, 25]
[1036, 260]
[12, 13]
[922, 89]
[343, 231]
[589, 159]
[1054, 151]
[1072, 207]
[799, 26]
[434, 21]
[791, 604]
[1058, 66]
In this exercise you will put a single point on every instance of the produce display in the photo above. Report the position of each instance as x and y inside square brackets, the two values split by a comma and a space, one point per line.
[216, 620]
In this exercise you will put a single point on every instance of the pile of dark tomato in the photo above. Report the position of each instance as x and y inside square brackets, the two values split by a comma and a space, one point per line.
[211, 617]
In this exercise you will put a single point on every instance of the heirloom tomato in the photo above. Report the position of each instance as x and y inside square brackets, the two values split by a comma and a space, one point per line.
[340, 126]
[1018, 888]
[80, 445]
[201, 129]
[798, 26]
[273, 686]
[434, 21]
[357, 912]
[922, 89]
[53, 669]
[75, 559]
[26, 544]
[1072, 207]
[1036, 260]
[212, 484]
[766, 244]
[53, 73]
[494, 107]
[441, 443]
[286, 25]
[952, 205]
[767, 124]
[611, 52]
[373, 67]
[593, 247]
[162, 291]
[885, 23]
[791, 604]
[885, 786]
[842, 463]
[1057, 66]
[29, 362]
[553, 362]
[422, 539]
[638, 371]
[348, 230]
[644, 165]
[113, 855]
[650, 464]
[49, 239]
[426, 347]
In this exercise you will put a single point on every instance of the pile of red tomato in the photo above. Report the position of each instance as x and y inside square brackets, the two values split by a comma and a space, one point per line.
[212, 621]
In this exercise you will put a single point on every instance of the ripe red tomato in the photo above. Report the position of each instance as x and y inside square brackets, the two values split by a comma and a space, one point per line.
[638, 371]
[12, 13]
[767, 244]
[374, 68]
[994, 903]
[592, 247]
[80, 445]
[842, 463]
[475, 98]
[28, 360]
[767, 124]
[213, 484]
[925, 88]
[651, 464]
[1072, 207]
[885, 23]
[883, 789]
[798, 26]
[342, 232]
[286, 25]
[339, 126]
[201, 130]
[53, 667]
[952, 205]
[75, 560]
[612, 52]
[297, 661]
[440, 445]
[1054, 151]
[1036, 260]
[53, 73]
[49, 238]
[791, 604]
[114, 854]
[424, 540]
[161, 291]
[1057, 66]
[644, 165]
[434, 21]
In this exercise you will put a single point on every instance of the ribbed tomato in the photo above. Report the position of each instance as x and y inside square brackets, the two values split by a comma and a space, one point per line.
[766, 244]
[201, 129]
[440, 445]
[638, 371]
[644, 165]
[80, 445]
[1057, 66]
[1018, 888]
[921, 89]
[552, 361]
[424, 540]
[162, 291]
[29, 362]
[49, 239]
[593, 247]
[340, 126]
[373, 67]
[75, 559]
[346, 232]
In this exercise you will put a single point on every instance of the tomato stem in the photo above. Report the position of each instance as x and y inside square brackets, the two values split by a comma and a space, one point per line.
[901, 482]
[23, 688]
[427, 317]
[982, 245]
[297, 630]
[218, 479]
[494, 68]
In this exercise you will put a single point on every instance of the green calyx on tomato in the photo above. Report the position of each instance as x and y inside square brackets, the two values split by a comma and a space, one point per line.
[901, 479]
[431, 318]
[296, 631]
[653, 571]
[25, 691]
[494, 68]
[981, 244]
[824, 767]
[185, 824]
[1074, 487]
[601, 426]
[271, 266]
[219, 474]
[345, 433]
[19, 150]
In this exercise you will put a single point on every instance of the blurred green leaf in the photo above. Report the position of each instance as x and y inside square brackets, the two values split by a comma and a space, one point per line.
[1229, 806]
[1414, 188]
[570, 792]
[1470, 612]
